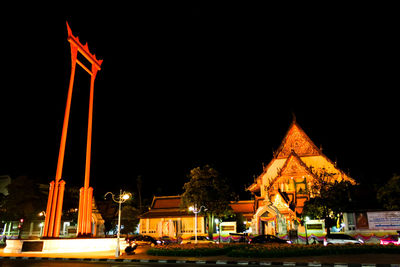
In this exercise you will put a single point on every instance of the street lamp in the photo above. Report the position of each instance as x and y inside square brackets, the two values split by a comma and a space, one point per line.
[305, 227]
[123, 196]
[196, 211]
[218, 223]
[41, 214]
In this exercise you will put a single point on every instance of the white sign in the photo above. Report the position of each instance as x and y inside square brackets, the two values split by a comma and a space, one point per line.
[384, 220]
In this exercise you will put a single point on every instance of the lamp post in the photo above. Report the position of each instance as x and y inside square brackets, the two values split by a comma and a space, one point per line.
[218, 222]
[41, 214]
[305, 227]
[123, 196]
[196, 211]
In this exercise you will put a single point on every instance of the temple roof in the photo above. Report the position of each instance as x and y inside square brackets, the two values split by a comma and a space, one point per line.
[166, 202]
[166, 206]
[170, 206]
[296, 147]
[298, 141]
[294, 166]
[243, 206]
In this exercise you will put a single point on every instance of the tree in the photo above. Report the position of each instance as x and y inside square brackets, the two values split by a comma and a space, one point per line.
[109, 211]
[328, 200]
[389, 194]
[2, 205]
[71, 204]
[207, 188]
[129, 219]
[24, 199]
[129, 215]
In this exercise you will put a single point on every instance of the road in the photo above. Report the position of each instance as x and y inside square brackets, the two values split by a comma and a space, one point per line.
[36, 263]
[23, 263]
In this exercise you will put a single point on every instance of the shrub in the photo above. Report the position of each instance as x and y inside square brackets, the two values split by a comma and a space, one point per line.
[273, 251]
[190, 250]
[267, 251]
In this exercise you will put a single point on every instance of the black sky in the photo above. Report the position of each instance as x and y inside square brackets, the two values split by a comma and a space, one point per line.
[183, 86]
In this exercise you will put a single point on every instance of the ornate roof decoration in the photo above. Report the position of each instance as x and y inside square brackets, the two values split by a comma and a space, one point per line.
[297, 140]
[296, 152]
[294, 166]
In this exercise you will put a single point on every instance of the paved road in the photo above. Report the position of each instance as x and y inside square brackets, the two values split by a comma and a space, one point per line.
[35, 263]
[22, 263]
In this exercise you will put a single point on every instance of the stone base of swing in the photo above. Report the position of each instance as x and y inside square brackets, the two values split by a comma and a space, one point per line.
[61, 245]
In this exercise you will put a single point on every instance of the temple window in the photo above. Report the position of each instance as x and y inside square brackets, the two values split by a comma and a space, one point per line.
[143, 227]
[153, 223]
[187, 225]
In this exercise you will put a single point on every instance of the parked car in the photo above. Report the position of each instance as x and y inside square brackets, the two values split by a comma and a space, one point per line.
[200, 240]
[165, 240]
[267, 239]
[143, 240]
[332, 239]
[392, 239]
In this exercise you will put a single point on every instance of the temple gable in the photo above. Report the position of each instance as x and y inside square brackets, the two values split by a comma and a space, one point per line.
[294, 167]
[297, 140]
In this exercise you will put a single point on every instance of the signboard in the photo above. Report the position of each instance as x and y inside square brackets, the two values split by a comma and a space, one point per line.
[316, 226]
[384, 220]
[32, 246]
[228, 227]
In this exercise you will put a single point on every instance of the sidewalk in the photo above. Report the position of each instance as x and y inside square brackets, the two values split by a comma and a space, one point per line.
[392, 260]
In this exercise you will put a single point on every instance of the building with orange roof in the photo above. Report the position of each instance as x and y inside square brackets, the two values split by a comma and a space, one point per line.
[167, 217]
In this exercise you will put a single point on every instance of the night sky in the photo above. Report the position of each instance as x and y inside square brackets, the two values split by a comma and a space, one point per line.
[184, 86]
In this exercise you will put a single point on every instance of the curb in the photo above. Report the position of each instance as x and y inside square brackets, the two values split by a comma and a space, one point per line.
[218, 262]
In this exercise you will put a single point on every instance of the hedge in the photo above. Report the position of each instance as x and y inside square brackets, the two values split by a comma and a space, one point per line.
[268, 251]
[310, 250]
[191, 250]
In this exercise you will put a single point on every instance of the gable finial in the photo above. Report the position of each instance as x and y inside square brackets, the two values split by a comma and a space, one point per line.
[294, 117]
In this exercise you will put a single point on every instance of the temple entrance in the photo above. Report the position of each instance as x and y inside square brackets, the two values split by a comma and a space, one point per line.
[267, 223]
[266, 220]
[268, 226]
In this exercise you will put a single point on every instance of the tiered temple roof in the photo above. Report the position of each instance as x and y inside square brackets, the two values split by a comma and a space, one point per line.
[296, 158]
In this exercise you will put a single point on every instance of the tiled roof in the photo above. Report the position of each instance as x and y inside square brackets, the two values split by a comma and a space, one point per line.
[166, 202]
[246, 206]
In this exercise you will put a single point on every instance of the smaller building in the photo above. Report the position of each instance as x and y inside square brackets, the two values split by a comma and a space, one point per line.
[167, 217]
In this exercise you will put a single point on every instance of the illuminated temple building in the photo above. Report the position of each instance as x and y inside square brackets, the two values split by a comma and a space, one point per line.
[284, 185]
